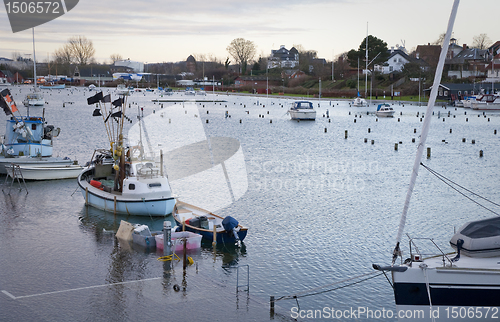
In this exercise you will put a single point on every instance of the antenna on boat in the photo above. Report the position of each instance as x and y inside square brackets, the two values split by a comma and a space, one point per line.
[425, 128]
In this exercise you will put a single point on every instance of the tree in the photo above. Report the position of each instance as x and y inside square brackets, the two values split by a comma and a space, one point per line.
[440, 39]
[64, 58]
[481, 42]
[82, 49]
[115, 57]
[242, 51]
[376, 48]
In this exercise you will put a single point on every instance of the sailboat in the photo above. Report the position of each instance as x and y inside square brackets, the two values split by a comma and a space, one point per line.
[123, 179]
[464, 285]
[35, 98]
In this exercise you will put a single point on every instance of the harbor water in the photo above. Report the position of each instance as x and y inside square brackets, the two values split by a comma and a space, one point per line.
[322, 200]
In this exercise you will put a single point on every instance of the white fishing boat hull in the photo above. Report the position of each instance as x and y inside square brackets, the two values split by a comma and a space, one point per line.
[302, 115]
[467, 291]
[150, 198]
[47, 173]
[34, 99]
[359, 102]
[33, 162]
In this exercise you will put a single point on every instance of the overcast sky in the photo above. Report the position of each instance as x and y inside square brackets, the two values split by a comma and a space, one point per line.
[170, 31]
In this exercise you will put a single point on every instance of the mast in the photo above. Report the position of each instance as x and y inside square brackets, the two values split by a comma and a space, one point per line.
[425, 127]
[366, 58]
[34, 57]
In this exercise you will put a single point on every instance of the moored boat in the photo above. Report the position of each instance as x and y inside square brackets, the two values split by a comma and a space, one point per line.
[359, 102]
[302, 110]
[28, 140]
[46, 173]
[486, 102]
[52, 86]
[436, 285]
[203, 222]
[123, 179]
[385, 110]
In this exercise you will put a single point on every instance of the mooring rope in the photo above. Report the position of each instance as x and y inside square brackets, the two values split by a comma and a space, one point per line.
[448, 181]
[305, 293]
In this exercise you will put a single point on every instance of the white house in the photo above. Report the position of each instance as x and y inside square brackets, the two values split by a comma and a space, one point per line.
[395, 62]
[493, 70]
[283, 58]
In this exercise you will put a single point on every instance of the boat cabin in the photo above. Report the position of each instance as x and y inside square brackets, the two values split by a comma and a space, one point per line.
[302, 105]
[481, 238]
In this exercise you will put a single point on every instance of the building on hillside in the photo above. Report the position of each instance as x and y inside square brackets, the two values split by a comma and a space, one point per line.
[469, 62]
[283, 58]
[137, 67]
[493, 70]
[396, 61]
[429, 54]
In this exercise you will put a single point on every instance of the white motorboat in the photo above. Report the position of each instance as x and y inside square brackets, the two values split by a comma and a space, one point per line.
[467, 102]
[385, 110]
[359, 102]
[121, 89]
[28, 140]
[34, 99]
[189, 91]
[302, 110]
[124, 180]
[486, 102]
[440, 286]
[45, 173]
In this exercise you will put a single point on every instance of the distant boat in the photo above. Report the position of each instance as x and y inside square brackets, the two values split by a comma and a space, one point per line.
[201, 221]
[46, 173]
[487, 102]
[52, 86]
[302, 110]
[384, 110]
[189, 91]
[359, 102]
[121, 89]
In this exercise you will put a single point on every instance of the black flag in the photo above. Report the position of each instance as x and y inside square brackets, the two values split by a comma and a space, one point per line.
[94, 99]
[115, 114]
[117, 102]
[97, 112]
[106, 99]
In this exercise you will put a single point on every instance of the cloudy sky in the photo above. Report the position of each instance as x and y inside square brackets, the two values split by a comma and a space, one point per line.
[169, 31]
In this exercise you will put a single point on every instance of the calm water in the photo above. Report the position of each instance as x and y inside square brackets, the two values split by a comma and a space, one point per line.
[320, 208]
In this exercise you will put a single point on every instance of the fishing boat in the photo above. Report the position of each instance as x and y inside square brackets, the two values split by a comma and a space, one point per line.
[440, 285]
[302, 110]
[385, 110]
[45, 173]
[121, 89]
[28, 140]
[203, 222]
[124, 179]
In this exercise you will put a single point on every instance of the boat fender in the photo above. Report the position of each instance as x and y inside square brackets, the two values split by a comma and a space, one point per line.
[460, 243]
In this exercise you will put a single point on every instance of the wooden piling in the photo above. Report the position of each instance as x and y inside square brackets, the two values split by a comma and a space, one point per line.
[428, 153]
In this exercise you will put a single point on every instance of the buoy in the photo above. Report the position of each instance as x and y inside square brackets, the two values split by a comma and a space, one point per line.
[398, 119]
[354, 120]
[366, 140]
[463, 139]
[325, 129]
[414, 130]
[373, 141]
[473, 141]
[413, 140]
[467, 120]
[207, 121]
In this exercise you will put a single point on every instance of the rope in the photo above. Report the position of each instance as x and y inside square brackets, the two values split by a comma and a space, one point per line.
[299, 295]
[448, 181]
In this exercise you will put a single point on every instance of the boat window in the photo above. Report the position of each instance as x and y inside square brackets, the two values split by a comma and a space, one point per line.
[149, 165]
[131, 186]
[33, 127]
[156, 184]
[483, 229]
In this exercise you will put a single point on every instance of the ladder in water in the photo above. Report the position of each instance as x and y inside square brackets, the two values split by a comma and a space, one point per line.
[16, 174]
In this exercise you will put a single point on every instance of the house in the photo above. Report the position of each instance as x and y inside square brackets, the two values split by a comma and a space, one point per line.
[283, 58]
[452, 91]
[396, 61]
[469, 62]
[428, 54]
[453, 49]
[6, 76]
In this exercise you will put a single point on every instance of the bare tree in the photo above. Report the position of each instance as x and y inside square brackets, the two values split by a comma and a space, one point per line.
[481, 42]
[440, 40]
[63, 57]
[82, 49]
[242, 51]
[115, 57]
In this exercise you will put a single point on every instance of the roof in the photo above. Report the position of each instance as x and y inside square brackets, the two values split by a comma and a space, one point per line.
[399, 52]
[469, 54]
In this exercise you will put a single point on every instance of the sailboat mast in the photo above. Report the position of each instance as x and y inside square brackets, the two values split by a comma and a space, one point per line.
[425, 126]
[366, 58]
[34, 57]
